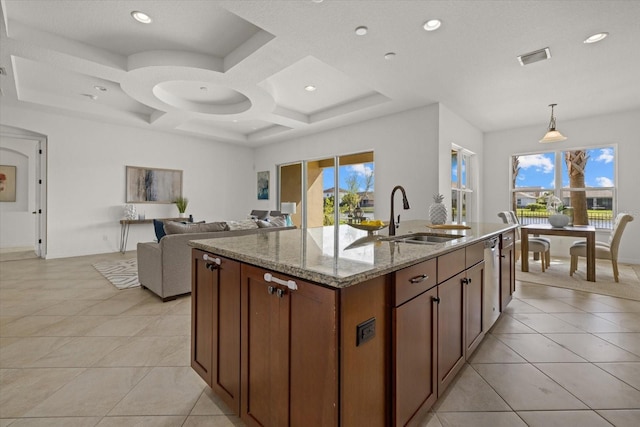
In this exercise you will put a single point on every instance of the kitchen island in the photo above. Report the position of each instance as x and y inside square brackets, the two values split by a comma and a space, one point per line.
[333, 326]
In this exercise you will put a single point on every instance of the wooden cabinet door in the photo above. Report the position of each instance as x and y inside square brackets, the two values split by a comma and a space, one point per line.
[225, 374]
[414, 356]
[450, 330]
[215, 328]
[201, 316]
[474, 307]
[507, 275]
[313, 356]
[289, 352]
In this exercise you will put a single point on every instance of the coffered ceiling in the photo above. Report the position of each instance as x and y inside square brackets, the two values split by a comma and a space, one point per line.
[238, 71]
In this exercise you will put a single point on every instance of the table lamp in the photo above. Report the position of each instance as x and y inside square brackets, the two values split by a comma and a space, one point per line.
[288, 208]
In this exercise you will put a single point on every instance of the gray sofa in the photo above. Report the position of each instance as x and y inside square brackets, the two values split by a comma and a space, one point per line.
[164, 267]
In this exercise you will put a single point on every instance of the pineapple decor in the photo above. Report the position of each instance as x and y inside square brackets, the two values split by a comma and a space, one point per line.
[438, 211]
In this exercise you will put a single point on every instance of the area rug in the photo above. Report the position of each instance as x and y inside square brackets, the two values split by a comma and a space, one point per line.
[558, 275]
[122, 274]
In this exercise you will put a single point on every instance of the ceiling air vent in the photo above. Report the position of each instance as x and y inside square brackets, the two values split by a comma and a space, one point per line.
[535, 56]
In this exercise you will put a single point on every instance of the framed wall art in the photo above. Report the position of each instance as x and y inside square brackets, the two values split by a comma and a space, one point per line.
[7, 183]
[263, 185]
[151, 185]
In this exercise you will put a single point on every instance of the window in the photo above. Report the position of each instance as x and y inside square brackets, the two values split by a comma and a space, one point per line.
[584, 179]
[461, 186]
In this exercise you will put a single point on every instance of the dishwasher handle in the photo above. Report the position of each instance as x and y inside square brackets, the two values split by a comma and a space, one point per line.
[491, 243]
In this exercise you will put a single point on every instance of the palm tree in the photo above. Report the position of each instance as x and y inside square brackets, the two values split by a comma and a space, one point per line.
[576, 163]
[515, 169]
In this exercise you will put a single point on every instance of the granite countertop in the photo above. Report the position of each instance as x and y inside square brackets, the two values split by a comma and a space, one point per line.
[340, 256]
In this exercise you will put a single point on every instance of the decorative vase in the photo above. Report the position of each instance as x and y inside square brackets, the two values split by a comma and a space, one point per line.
[558, 220]
[130, 212]
[438, 211]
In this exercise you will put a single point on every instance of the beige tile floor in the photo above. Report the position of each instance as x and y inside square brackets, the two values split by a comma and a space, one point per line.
[75, 351]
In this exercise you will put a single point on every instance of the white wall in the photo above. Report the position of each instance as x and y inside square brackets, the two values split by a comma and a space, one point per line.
[622, 129]
[405, 149]
[86, 178]
[17, 223]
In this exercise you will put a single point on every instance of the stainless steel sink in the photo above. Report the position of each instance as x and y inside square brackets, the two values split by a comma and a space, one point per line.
[425, 238]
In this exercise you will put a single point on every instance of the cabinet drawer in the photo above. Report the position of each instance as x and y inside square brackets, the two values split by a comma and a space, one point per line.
[450, 264]
[412, 281]
[474, 254]
[507, 239]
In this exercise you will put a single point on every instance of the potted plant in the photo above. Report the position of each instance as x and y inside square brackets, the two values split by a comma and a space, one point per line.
[555, 207]
[181, 204]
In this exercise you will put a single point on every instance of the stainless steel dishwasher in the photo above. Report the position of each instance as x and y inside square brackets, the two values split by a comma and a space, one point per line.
[491, 309]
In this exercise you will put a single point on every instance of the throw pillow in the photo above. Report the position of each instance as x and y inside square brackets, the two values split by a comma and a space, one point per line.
[172, 227]
[158, 225]
[246, 224]
[277, 221]
[263, 224]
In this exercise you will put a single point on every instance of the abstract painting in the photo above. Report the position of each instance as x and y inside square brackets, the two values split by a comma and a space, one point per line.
[263, 185]
[7, 183]
[150, 185]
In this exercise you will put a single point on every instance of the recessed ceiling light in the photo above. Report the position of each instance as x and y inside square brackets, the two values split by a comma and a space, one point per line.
[361, 30]
[310, 88]
[100, 88]
[141, 17]
[204, 88]
[90, 96]
[389, 56]
[594, 38]
[432, 24]
[317, 1]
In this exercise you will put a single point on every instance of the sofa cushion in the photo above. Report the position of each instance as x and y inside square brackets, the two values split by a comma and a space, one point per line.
[172, 227]
[158, 225]
[246, 224]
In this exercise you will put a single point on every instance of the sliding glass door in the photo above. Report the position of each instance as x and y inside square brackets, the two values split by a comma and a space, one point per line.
[326, 195]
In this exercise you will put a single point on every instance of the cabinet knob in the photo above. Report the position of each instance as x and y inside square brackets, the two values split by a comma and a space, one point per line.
[212, 267]
[465, 280]
[280, 293]
[271, 290]
[503, 256]
[436, 300]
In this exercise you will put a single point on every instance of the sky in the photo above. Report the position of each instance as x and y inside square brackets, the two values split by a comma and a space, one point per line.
[538, 170]
[361, 170]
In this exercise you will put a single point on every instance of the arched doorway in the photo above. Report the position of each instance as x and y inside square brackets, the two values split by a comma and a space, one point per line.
[22, 206]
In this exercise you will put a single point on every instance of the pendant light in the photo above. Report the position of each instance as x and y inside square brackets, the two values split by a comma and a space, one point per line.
[552, 134]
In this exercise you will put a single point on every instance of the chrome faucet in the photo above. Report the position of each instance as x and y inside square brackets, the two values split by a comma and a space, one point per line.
[405, 205]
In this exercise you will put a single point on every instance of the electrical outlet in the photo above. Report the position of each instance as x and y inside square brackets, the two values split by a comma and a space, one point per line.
[365, 331]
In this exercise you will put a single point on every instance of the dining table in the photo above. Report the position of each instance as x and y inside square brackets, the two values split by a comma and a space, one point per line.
[578, 231]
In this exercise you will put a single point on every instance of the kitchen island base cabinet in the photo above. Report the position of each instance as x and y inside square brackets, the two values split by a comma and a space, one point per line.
[378, 353]
[289, 352]
[215, 324]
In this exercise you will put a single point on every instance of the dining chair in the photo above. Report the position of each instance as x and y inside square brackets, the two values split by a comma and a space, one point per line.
[604, 250]
[537, 245]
